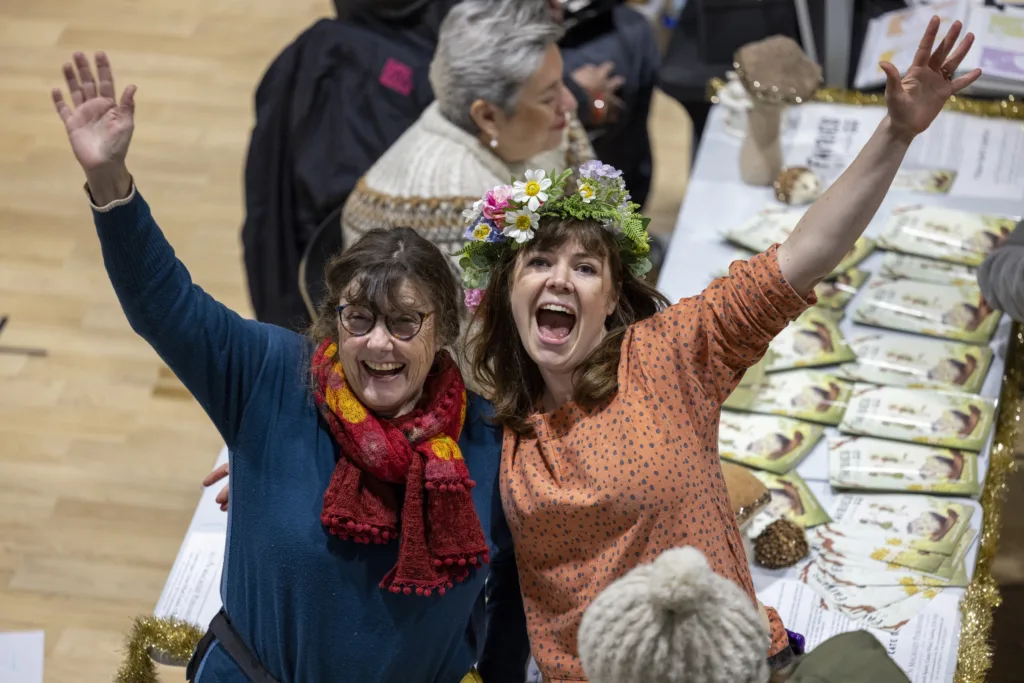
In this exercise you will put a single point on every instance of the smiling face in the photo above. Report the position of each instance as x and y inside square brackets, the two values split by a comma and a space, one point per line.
[561, 296]
[540, 117]
[384, 372]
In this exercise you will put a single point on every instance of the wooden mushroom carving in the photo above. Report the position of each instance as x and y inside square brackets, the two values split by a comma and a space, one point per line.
[776, 73]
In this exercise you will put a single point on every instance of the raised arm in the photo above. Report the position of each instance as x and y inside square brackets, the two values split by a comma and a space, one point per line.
[833, 223]
[212, 350]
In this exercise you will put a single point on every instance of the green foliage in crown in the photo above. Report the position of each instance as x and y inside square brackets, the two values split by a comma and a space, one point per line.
[508, 216]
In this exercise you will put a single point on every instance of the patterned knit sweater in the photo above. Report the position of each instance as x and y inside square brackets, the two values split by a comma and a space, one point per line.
[434, 172]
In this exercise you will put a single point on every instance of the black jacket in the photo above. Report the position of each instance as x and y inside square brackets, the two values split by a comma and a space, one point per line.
[329, 105]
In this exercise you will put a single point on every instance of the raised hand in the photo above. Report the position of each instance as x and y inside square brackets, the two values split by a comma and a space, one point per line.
[917, 98]
[99, 127]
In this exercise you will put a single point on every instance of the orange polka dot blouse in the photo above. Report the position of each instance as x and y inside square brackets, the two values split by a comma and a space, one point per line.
[598, 492]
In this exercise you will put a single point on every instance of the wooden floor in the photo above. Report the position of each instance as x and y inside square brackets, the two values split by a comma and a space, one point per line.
[99, 476]
[99, 466]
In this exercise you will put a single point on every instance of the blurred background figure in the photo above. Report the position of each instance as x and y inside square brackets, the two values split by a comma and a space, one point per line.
[1001, 275]
[337, 98]
[501, 108]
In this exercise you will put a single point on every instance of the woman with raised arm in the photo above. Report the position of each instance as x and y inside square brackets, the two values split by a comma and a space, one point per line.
[611, 400]
[365, 502]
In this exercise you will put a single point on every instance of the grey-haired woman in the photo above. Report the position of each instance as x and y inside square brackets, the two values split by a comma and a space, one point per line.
[502, 106]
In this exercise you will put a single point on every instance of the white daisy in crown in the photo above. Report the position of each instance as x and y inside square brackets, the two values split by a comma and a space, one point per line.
[473, 212]
[519, 225]
[586, 190]
[532, 191]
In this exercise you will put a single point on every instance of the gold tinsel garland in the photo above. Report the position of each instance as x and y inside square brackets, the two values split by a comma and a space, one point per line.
[1008, 108]
[974, 657]
[171, 641]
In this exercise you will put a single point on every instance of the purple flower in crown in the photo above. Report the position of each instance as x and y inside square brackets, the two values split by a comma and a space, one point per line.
[595, 170]
[483, 230]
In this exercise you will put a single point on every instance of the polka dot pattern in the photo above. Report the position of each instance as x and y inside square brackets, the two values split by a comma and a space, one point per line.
[598, 492]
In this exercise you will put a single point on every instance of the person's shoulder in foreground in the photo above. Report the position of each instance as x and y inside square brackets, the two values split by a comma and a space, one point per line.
[1001, 275]
[853, 657]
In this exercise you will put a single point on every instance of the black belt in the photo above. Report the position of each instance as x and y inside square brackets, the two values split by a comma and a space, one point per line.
[224, 633]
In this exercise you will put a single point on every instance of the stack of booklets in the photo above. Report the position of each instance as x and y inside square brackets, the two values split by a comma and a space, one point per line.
[884, 557]
[918, 440]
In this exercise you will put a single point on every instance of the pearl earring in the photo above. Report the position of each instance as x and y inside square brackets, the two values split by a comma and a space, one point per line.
[494, 143]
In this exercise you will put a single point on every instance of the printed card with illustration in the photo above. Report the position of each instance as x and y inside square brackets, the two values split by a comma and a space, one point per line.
[773, 224]
[868, 572]
[802, 394]
[927, 416]
[859, 602]
[944, 311]
[835, 293]
[882, 607]
[954, 567]
[896, 266]
[867, 464]
[811, 340]
[827, 539]
[792, 499]
[945, 234]
[931, 181]
[927, 523]
[766, 442]
[896, 360]
[895, 616]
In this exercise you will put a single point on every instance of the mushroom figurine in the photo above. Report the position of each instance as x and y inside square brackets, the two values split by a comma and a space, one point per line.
[797, 186]
[776, 73]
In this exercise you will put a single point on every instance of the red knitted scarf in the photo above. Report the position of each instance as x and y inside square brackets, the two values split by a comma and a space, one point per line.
[441, 535]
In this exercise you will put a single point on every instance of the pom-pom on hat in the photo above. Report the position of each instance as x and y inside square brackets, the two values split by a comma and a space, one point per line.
[674, 621]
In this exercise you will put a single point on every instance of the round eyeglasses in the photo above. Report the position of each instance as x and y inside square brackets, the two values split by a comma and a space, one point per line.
[360, 321]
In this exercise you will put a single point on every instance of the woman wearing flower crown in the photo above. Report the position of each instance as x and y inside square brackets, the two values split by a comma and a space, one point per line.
[610, 399]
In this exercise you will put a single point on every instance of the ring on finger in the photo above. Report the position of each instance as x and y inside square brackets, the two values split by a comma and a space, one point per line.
[947, 74]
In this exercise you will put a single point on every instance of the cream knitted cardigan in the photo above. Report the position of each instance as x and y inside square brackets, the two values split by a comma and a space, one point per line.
[434, 172]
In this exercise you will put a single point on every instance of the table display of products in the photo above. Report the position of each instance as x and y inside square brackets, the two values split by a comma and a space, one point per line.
[906, 411]
[872, 418]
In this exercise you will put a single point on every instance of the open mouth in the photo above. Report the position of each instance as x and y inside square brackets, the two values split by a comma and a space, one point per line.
[383, 369]
[555, 323]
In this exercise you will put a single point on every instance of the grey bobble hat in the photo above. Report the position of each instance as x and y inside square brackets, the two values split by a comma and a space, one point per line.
[673, 621]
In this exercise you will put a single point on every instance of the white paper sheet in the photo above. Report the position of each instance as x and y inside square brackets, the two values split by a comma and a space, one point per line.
[986, 154]
[192, 591]
[21, 657]
[922, 648]
[994, 168]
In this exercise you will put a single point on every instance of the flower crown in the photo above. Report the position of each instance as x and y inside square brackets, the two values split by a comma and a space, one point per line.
[507, 217]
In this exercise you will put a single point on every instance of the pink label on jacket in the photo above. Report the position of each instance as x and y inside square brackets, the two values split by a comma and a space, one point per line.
[397, 76]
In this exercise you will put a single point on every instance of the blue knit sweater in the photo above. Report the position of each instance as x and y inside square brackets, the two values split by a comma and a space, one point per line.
[307, 604]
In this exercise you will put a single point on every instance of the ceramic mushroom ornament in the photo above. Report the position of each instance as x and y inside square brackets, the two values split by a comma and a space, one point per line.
[797, 186]
[776, 73]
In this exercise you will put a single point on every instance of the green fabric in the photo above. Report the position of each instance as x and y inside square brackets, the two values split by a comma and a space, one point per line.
[855, 657]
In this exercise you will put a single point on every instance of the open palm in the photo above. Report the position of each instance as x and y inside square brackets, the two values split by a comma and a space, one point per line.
[917, 98]
[99, 128]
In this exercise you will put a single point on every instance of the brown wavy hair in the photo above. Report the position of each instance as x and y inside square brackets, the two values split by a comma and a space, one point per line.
[496, 353]
[379, 263]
